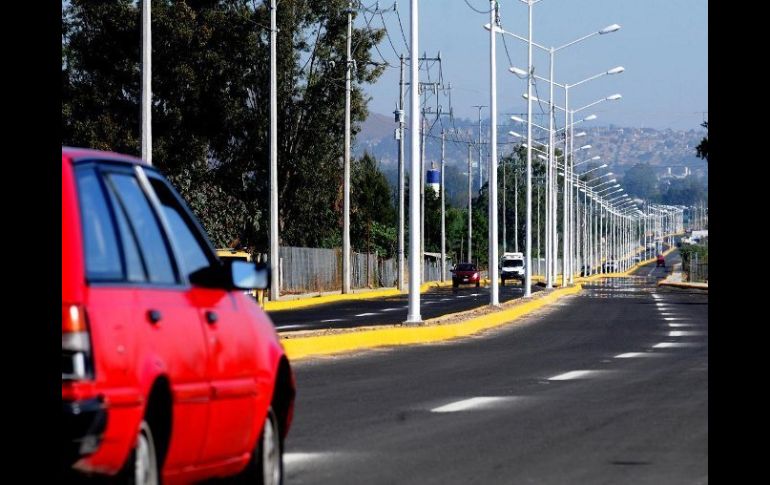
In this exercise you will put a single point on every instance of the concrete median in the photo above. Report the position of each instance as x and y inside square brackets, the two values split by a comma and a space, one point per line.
[324, 343]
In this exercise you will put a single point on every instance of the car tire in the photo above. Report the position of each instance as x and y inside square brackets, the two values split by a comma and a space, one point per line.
[142, 465]
[478, 284]
[266, 464]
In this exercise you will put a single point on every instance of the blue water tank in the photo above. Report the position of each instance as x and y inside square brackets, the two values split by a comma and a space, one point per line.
[433, 179]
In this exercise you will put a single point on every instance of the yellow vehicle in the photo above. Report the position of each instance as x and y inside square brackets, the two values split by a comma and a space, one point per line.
[231, 253]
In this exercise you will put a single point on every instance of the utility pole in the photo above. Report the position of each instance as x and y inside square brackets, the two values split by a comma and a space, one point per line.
[470, 204]
[443, 214]
[146, 116]
[422, 197]
[346, 182]
[413, 317]
[400, 135]
[421, 148]
[275, 284]
[480, 106]
[505, 246]
[515, 209]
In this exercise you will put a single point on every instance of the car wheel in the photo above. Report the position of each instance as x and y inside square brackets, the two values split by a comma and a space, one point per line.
[142, 465]
[478, 283]
[266, 464]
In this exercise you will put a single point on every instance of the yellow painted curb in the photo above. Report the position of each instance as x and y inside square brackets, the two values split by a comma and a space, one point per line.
[686, 285]
[272, 306]
[302, 347]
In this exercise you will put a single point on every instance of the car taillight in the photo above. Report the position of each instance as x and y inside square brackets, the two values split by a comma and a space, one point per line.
[77, 363]
[475, 275]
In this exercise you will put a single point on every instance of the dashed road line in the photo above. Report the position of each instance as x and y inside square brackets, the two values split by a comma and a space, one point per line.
[472, 403]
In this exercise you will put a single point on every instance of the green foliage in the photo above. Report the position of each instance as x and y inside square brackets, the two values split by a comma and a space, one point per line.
[641, 181]
[372, 215]
[210, 82]
[702, 150]
[688, 252]
[685, 191]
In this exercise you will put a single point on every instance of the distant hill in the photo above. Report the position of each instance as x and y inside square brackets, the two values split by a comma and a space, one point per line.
[619, 147]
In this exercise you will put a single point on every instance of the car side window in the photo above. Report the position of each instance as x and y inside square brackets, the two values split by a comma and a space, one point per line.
[186, 236]
[102, 254]
[148, 232]
[135, 267]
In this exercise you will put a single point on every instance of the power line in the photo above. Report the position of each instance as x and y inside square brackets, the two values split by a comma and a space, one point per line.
[475, 9]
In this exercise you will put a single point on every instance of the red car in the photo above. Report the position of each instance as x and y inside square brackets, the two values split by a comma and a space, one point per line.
[170, 373]
[465, 273]
[661, 261]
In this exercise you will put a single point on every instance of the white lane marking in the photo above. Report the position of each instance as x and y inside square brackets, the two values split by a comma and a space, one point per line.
[668, 345]
[675, 318]
[681, 325]
[475, 294]
[575, 374]
[390, 309]
[333, 320]
[630, 355]
[293, 459]
[683, 333]
[445, 299]
[463, 296]
[367, 314]
[284, 327]
[465, 404]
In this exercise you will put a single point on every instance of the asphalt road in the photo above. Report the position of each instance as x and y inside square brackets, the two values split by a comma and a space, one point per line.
[391, 310]
[608, 386]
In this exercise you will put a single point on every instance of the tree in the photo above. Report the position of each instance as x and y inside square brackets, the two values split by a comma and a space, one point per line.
[372, 215]
[702, 150]
[210, 104]
[641, 181]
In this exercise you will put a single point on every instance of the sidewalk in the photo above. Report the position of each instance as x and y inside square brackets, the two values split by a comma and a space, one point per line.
[675, 280]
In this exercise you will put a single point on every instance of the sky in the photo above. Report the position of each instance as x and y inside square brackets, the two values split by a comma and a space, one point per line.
[662, 44]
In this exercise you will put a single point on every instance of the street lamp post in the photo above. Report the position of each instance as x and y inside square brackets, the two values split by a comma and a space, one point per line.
[413, 317]
[551, 209]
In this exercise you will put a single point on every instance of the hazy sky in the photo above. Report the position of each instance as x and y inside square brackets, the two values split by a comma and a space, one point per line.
[663, 45]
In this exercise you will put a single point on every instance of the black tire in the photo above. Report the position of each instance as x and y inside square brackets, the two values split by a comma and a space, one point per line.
[266, 464]
[142, 465]
[478, 284]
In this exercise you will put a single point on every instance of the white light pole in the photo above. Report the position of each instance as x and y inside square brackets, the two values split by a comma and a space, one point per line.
[275, 284]
[413, 317]
[346, 180]
[146, 115]
[492, 171]
[551, 177]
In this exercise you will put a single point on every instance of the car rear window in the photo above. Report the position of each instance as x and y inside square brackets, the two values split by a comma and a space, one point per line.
[513, 263]
[466, 267]
[102, 254]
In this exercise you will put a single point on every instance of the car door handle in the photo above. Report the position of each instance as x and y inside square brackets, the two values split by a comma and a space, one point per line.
[154, 316]
[211, 317]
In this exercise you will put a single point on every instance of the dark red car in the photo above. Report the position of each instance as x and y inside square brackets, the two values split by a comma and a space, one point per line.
[170, 373]
[465, 274]
[661, 261]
